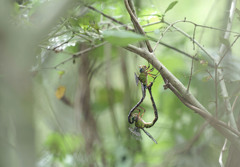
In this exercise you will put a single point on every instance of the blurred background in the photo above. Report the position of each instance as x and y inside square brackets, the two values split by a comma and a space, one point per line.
[65, 94]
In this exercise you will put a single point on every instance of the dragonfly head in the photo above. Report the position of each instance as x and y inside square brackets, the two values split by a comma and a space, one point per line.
[134, 117]
[142, 68]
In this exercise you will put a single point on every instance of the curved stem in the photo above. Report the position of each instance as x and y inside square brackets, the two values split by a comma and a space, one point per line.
[141, 100]
[187, 98]
[222, 53]
[136, 23]
[154, 107]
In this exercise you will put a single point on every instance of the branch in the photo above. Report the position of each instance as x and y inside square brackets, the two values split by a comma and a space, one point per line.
[136, 23]
[190, 78]
[166, 73]
[228, 49]
[188, 36]
[151, 38]
[109, 17]
[186, 97]
[78, 54]
[222, 53]
[164, 33]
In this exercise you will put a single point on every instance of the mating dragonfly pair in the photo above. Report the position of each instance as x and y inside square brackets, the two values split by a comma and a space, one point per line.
[144, 72]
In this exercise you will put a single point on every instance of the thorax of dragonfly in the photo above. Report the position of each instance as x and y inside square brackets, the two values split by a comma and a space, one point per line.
[140, 123]
[143, 74]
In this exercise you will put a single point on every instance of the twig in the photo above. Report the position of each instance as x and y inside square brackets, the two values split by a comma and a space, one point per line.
[225, 53]
[151, 38]
[169, 26]
[54, 49]
[78, 54]
[188, 36]
[213, 28]
[216, 90]
[220, 160]
[210, 75]
[209, 14]
[140, 29]
[109, 17]
[197, 25]
[234, 103]
[194, 31]
[220, 73]
[190, 77]
[204, 114]
[188, 99]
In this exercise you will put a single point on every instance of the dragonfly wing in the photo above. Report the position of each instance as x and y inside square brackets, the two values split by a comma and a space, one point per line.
[136, 79]
[149, 136]
[136, 132]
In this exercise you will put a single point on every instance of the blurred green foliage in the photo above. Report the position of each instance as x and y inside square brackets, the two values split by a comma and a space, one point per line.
[112, 87]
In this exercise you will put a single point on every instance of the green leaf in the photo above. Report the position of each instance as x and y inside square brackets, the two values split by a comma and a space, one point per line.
[170, 6]
[122, 38]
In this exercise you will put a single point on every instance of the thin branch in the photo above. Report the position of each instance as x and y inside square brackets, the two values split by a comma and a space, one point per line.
[190, 77]
[169, 26]
[164, 71]
[204, 114]
[220, 73]
[135, 21]
[150, 38]
[55, 48]
[220, 160]
[188, 36]
[213, 28]
[228, 49]
[210, 75]
[109, 17]
[216, 90]
[234, 103]
[197, 25]
[188, 99]
[78, 54]
[194, 31]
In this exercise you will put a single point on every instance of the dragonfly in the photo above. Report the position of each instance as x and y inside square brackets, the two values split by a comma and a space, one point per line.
[144, 72]
[140, 124]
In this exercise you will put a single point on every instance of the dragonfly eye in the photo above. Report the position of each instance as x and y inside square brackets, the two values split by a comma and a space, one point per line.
[134, 118]
[142, 68]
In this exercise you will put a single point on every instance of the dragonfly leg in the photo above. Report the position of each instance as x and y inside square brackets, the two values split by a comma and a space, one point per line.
[150, 70]
[143, 111]
[154, 76]
[138, 113]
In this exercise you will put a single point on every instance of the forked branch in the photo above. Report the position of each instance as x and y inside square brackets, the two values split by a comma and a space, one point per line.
[186, 97]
